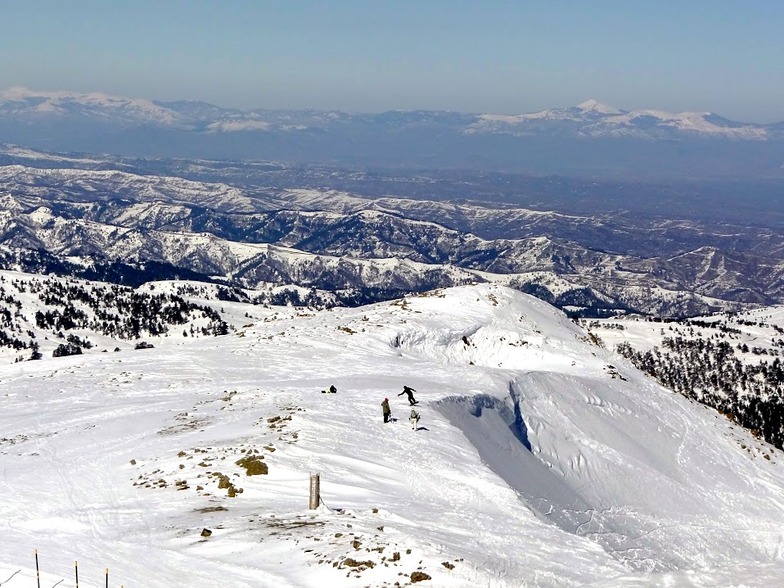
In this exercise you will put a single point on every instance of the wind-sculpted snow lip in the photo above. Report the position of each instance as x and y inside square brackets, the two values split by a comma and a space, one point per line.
[573, 482]
[498, 432]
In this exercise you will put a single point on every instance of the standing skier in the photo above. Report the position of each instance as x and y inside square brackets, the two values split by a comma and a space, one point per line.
[386, 410]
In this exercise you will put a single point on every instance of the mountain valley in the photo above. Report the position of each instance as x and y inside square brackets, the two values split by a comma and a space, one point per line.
[597, 264]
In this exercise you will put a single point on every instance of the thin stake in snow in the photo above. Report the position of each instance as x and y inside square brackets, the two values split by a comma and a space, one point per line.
[37, 571]
[107, 577]
[314, 492]
[76, 572]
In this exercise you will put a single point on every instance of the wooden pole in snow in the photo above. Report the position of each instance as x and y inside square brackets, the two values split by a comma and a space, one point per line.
[76, 573]
[37, 572]
[314, 492]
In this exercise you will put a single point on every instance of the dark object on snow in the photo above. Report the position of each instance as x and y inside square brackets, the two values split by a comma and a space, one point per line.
[407, 390]
[206, 532]
[66, 349]
[332, 390]
[386, 410]
[419, 577]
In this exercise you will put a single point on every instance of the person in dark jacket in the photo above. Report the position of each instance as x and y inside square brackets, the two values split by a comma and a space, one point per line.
[386, 410]
[408, 391]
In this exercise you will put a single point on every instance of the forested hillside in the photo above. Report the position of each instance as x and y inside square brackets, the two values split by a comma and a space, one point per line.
[60, 316]
[729, 362]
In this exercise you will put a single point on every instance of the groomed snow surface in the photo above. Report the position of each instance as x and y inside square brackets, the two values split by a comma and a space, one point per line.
[540, 459]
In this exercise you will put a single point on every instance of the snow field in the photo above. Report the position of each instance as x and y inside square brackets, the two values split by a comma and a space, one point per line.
[541, 460]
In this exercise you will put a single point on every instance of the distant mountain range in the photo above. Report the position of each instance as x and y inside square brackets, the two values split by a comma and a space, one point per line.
[588, 139]
[597, 120]
[140, 223]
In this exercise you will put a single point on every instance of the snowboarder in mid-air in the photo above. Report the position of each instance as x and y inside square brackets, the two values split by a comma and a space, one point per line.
[414, 419]
[407, 390]
[386, 410]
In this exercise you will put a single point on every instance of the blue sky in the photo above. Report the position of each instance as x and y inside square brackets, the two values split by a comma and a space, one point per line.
[501, 56]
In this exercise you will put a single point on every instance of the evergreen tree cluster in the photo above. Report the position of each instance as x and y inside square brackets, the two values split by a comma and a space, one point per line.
[118, 311]
[112, 310]
[10, 309]
[67, 349]
[292, 297]
[709, 371]
[280, 296]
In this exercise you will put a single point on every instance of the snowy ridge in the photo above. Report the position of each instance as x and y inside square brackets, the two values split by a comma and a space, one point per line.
[116, 184]
[99, 316]
[537, 262]
[240, 125]
[590, 109]
[760, 327]
[589, 118]
[526, 143]
[562, 466]
[704, 123]
[123, 215]
[449, 212]
[597, 107]
[18, 101]
[594, 119]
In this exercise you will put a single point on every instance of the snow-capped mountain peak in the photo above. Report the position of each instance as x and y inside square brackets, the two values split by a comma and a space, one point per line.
[100, 123]
[595, 106]
[592, 119]
[22, 101]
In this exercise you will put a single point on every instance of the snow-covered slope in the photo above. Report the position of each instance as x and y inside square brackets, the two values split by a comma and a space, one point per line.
[594, 119]
[25, 103]
[540, 459]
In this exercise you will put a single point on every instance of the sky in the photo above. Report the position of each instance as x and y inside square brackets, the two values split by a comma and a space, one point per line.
[499, 56]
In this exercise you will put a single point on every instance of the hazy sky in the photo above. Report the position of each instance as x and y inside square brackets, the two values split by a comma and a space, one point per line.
[503, 56]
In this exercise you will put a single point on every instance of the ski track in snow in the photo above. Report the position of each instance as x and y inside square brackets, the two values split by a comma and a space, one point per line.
[540, 460]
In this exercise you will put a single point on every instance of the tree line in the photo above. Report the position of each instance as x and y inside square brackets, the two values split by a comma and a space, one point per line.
[710, 372]
[108, 309]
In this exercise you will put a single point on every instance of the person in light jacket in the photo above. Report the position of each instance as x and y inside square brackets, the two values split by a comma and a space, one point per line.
[386, 410]
[414, 419]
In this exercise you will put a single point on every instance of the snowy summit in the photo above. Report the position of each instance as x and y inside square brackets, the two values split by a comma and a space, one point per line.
[596, 106]
[541, 459]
